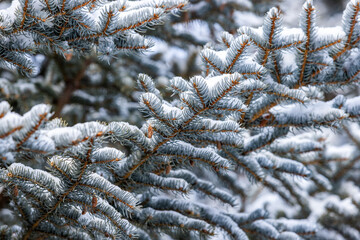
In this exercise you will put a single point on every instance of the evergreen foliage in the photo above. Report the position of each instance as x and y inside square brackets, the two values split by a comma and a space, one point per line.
[334, 185]
[261, 92]
[79, 92]
[68, 27]
[63, 46]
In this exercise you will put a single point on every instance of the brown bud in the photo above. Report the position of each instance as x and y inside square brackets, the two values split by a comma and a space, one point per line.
[94, 202]
[150, 131]
[192, 163]
[68, 56]
[16, 191]
[218, 145]
[263, 122]
[84, 210]
[168, 169]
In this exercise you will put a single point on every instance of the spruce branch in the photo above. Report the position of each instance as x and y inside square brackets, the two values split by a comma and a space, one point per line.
[240, 121]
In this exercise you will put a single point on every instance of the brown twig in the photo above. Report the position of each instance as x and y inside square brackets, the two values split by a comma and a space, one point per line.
[70, 86]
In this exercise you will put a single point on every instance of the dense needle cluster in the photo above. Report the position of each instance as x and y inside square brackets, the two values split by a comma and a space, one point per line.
[249, 114]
